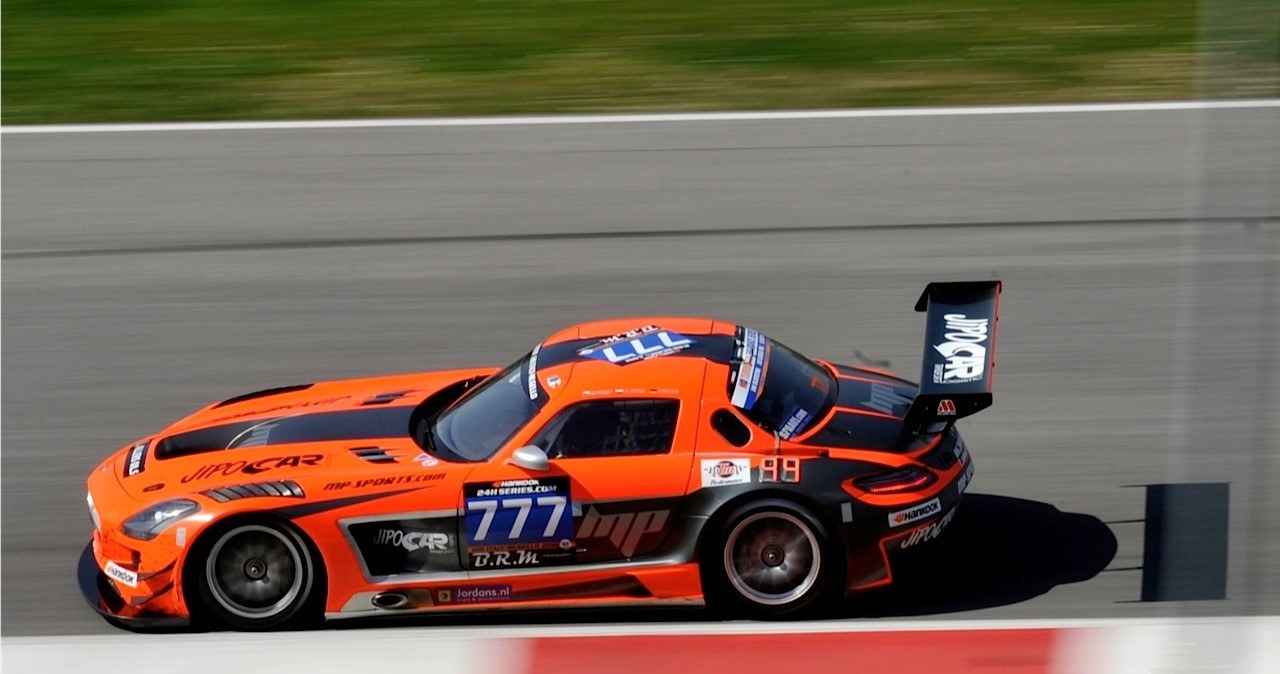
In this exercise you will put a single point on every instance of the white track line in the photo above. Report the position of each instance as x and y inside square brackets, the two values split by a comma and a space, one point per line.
[391, 632]
[1116, 646]
[660, 118]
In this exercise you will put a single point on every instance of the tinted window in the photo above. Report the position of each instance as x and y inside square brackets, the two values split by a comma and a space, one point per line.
[730, 428]
[476, 426]
[777, 388]
[611, 428]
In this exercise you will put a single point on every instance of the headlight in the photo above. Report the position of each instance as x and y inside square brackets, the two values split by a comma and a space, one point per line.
[93, 513]
[149, 522]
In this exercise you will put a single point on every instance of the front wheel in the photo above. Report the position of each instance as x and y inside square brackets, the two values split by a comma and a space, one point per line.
[256, 576]
[772, 558]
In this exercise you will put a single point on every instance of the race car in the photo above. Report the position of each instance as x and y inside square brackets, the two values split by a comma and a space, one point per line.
[627, 461]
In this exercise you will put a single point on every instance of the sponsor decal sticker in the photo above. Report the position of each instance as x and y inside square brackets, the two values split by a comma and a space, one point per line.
[121, 574]
[532, 515]
[474, 594]
[533, 372]
[253, 467]
[414, 545]
[885, 400]
[721, 472]
[382, 481]
[964, 350]
[431, 541]
[503, 559]
[929, 532]
[553, 381]
[639, 344]
[623, 530]
[282, 408]
[754, 356]
[136, 461]
[946, 408]
[426, 460]
[915, 513]
[795, 424]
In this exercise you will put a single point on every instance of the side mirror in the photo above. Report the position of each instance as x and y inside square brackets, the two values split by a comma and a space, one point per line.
[530, 458]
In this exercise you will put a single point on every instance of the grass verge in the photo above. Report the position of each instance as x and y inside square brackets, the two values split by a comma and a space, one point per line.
[150, 60]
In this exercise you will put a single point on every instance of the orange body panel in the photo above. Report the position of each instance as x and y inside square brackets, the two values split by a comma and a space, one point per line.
[348, 482]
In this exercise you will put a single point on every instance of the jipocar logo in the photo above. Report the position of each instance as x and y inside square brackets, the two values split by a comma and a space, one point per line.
[964, 350]
[253, 467]
[414, 540]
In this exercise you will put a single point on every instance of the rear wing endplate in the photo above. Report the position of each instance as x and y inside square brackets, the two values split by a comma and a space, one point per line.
[959, 350]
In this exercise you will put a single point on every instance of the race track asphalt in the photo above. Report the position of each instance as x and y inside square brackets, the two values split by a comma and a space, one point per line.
[145, 274]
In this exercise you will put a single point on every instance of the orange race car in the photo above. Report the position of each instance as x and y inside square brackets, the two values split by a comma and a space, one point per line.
[641, 460]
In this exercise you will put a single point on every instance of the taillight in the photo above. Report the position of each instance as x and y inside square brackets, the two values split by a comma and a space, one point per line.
[910, 478]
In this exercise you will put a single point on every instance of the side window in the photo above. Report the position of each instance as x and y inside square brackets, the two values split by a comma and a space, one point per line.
[730, 428]
[611, 428]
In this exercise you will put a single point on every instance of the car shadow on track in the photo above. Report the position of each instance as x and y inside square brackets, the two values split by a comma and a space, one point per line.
[997, 551]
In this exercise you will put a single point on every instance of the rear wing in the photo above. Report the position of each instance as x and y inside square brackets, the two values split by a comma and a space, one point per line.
[959, 351]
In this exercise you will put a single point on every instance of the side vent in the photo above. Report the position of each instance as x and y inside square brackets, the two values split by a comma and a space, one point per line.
[284, 488]
[373, 454]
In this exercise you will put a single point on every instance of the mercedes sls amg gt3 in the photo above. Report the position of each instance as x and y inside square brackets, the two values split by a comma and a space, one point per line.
[645, 460]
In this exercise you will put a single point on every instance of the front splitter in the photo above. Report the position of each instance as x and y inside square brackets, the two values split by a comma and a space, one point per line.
[94, 586]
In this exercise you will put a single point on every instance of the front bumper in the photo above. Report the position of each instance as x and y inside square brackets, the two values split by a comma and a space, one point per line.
[104, 598]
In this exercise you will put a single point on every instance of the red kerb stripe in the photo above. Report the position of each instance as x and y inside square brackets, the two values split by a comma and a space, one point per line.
[1023, 651]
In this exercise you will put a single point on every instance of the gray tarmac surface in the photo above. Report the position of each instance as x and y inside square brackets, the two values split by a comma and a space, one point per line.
[145, 274]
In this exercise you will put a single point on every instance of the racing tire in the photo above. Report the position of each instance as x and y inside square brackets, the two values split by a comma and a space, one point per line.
[771, 559]
[257, 575]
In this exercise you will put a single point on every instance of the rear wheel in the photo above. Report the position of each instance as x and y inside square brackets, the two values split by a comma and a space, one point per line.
[257, 575]
[771, 559]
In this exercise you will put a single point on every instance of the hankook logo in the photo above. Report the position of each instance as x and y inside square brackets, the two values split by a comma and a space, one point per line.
[915, 513]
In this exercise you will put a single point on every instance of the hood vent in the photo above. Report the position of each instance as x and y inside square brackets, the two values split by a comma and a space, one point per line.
[264, 393]
[374, 454]
[284, 488]
[384, 398]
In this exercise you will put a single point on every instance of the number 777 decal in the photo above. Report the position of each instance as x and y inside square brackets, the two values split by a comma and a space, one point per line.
[518, 522]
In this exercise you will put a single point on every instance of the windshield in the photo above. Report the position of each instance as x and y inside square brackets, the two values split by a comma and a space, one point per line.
[476, 426]
[776, 387]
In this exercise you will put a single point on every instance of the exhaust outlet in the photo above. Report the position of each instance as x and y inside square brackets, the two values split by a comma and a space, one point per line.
[390, 600]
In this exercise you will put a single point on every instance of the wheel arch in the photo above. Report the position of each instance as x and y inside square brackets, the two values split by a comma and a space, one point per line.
[725, 509]
[198, 548]
[830, 538]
